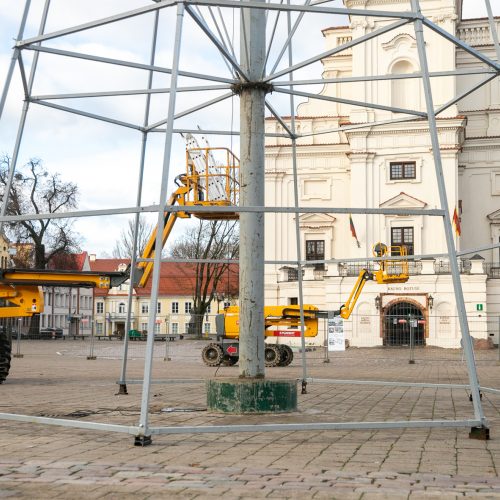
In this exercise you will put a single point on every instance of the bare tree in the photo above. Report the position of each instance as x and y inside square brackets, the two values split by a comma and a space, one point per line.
[124, 246]
[34, 190]
[215, 240]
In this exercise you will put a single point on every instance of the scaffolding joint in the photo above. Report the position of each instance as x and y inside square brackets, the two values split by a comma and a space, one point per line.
[239, 87]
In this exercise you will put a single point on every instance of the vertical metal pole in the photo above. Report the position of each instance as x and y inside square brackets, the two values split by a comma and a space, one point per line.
[252, 102]
[498, 339]
[22, 120]
[15, 54]
[92, 343]
[143, 438]
[167, 330]
[412, 341]
[123, 374]
[493, 29]
[18, 340]
[455, 272]
[325, 341]
[297, 222]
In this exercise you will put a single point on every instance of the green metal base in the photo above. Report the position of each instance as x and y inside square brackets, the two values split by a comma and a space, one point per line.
[234, 395]
[482, 433]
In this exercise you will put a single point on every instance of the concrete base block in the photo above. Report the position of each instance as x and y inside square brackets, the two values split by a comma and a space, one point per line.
[235, 395]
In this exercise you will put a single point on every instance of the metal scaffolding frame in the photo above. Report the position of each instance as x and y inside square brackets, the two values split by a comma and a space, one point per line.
[250, 81]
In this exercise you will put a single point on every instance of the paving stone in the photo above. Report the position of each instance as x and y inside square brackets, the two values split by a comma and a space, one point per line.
[58, 463]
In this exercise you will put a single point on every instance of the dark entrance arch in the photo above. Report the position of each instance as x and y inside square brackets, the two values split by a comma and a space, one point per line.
[403, 322]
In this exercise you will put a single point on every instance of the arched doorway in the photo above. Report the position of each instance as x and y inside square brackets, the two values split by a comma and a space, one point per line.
[404, 323]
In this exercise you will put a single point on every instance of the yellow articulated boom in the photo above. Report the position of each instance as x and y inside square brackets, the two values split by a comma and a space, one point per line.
[22, 295]
[211, 179]
[284, 321]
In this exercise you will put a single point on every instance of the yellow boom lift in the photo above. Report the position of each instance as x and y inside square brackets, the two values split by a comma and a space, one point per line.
[211, 179]
[284, 321]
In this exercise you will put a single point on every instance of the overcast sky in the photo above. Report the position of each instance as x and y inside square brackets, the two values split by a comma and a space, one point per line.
[102, 158]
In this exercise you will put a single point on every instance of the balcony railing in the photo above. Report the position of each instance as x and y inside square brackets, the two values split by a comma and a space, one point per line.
[350, 269]
[353, 269]
[492, 270]
[443, 266]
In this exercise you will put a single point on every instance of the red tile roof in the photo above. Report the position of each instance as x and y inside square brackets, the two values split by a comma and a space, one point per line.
[176, 279]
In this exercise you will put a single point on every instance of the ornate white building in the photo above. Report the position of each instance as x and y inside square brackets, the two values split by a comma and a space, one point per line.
[391, 166]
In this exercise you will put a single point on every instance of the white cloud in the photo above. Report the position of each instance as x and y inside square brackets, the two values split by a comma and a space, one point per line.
[101, 158]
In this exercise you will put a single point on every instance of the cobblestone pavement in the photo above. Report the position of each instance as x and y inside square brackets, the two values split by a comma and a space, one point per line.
[55, 379]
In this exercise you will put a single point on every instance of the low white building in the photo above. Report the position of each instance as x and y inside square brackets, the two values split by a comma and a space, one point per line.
[70, 309]
[391, 166]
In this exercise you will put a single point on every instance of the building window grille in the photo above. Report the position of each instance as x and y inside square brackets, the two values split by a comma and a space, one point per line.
[402, 236]
[403, 170]
[315, 250]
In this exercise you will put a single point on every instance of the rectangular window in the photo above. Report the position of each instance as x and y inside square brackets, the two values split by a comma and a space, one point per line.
[186, 327]
[175, 328]
[293, 301]
[209, 309]
[403, 170]
[315, 250]
[99, 328]
[206, 328]
[187, 307]
[175, 307]
[402, 236]
[158, 307]
[99, 306]
[144, 326]
[157, 328]
[144, 308]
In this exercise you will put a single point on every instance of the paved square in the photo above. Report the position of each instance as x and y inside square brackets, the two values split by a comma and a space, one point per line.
[54, 378]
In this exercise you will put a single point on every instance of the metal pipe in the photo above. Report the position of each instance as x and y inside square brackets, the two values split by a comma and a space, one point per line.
[15, 54]
[338, 49]
[133, 259]
[148, 365]
[252, 105]
[128, 64]
[296, 201]
[204, 209]
[22, 121]
[493, 29]
[351, 102]
[455, 272]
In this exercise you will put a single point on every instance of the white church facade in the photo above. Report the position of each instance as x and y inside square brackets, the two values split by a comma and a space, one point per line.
[392, 166]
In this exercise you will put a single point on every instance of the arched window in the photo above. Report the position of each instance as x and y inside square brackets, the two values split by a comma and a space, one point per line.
[405, 92]
[121, 307]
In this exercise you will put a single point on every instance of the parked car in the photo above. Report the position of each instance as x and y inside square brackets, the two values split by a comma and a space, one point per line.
[51, 333]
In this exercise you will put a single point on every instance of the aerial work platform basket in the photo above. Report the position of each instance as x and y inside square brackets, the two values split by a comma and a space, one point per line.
[391, 270]
[212, 179]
